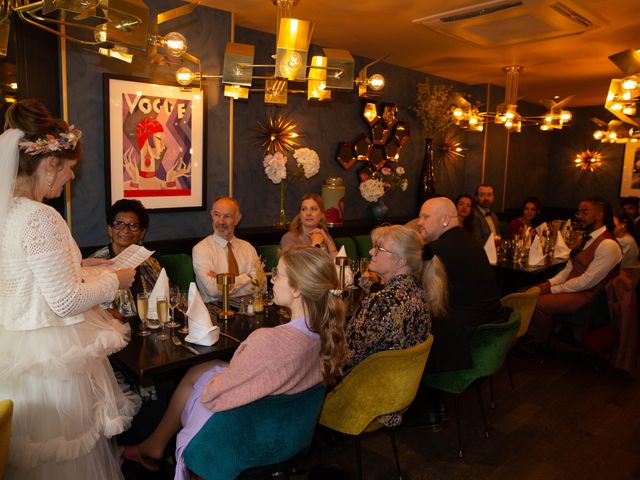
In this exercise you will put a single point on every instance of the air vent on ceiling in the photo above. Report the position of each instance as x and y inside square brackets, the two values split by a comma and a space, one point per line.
[507, 22]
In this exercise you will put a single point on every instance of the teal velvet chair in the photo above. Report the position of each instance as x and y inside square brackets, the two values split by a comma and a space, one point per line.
[364, 244]
[265, 432]
[179, 268]
[349, 246]
[490, 344]
[270, 254]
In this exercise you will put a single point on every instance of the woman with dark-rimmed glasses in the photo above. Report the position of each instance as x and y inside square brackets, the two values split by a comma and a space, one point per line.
[127, 223]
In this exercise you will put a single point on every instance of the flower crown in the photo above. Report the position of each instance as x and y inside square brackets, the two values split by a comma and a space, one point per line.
[51, 143]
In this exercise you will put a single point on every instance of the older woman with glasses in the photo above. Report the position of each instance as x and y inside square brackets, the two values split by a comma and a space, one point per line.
[399, 315]
[127, 223]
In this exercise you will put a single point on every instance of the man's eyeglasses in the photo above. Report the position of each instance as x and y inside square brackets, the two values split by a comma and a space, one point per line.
[377, 248]
[119, 225]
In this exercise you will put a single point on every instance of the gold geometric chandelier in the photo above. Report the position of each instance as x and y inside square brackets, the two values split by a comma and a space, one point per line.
[114, 28]
[290, 73]
[622, 100]
[469, 117]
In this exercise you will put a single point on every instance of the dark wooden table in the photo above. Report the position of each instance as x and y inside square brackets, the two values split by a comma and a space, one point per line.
[514, 277]
[146, 357]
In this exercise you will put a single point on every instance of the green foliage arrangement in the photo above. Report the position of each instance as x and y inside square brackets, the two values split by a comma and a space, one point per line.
[433, 107]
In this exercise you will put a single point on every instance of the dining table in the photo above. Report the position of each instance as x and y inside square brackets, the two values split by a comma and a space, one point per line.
[513, 277]
[147, 357]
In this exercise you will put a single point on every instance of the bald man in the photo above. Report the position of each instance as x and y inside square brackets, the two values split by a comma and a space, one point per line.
[474, 298]
[211, 255]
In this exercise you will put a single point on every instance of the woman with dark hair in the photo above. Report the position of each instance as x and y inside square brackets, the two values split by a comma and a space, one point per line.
[287, 359]
[625, 233]
[531, 208]
[54, 338]
[309, 227]
[127, 223]
[464, 206]
[398, 316]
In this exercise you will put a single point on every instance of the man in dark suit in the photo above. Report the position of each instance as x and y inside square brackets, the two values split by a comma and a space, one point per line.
[485, 221]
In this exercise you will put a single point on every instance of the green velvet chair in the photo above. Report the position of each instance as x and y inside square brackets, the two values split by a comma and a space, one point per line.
[179, 268]
[364, 244]
[6, 412]
[598, 332]
[265, 432]
[385, 382]
[489, 346]
[349, 246]
[524, 303]
[270, 254]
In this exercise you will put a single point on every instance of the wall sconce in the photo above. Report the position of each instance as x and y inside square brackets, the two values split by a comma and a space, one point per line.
[370, 87]
[588, 160]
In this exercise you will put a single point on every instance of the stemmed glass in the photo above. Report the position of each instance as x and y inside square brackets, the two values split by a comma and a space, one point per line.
[354, 264]
[143, 305]
[183, 306]
[174, 300]
[364, 265]
[163, 315]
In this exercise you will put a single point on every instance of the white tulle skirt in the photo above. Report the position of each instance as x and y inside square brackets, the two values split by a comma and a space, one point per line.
[67, 402]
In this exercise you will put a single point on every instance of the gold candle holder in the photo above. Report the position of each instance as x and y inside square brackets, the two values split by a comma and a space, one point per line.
[225, 282]
[343, 263]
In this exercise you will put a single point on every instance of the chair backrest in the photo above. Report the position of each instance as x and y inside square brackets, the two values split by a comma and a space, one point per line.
[385, 382]
[349, 246]
[524, 303]
[264, 432]
[490, 344]
[270, 254]
[179, 268]
[364, 244]
[6, 412]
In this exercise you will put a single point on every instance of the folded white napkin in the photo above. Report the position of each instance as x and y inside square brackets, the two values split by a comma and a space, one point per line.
[160, 289]
[348, 273]
[201, 329]
[541, 228]
[490, 248]
[536, 256]
[561, 250]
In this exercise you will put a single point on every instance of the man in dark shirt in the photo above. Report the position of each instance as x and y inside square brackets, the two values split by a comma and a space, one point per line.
[474, 298]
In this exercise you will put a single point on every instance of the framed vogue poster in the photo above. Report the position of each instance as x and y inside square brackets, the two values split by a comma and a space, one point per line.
[630, 184]
[155, 138]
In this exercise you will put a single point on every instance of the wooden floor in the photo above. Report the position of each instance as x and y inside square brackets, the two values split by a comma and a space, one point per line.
[570, 419]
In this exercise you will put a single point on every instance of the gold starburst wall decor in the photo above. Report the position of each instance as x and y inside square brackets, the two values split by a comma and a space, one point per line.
[588, 160]
[277, 134]
[449, 150]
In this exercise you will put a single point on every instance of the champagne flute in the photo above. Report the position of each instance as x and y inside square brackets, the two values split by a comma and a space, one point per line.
[142, 302]
[354, 264]
[364, 265]
[183, 306]
[163, 315]
[174, 300]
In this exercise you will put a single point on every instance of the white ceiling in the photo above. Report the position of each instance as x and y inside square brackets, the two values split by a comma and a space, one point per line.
[571, 65]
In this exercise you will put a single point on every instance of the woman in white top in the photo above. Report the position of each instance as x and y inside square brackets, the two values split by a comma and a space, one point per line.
[624, 234]
[309, 227]
[54, 337]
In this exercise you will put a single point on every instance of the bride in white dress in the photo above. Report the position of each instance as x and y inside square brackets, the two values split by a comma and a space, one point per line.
[54, 338]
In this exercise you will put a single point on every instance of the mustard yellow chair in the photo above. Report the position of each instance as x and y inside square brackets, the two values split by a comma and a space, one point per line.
[524, 303]
[6, 412]
[384, 383]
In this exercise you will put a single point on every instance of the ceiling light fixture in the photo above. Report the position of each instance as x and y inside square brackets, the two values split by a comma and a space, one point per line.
[468, 116]
[114, 28]
[334, 70]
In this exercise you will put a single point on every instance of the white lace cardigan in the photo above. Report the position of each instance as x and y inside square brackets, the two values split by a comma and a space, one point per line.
[41, 278]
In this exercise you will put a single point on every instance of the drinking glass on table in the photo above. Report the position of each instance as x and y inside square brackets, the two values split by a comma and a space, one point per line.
[174, 300]
[162, 306]
[142, 304]
[183, 306]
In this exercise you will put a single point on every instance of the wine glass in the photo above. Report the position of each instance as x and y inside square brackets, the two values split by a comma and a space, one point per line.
[354, 264]
[142, 303]
[174, 300]
[183, 306]
[364, 265]
[163, 315]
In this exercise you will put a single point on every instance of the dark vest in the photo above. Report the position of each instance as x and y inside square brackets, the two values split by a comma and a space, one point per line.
[581, 262]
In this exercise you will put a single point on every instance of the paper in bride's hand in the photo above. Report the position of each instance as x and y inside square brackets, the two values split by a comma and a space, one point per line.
[131, 257]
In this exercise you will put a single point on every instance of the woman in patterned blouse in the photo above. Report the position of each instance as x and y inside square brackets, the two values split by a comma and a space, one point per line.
[399, 315]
